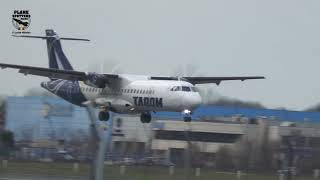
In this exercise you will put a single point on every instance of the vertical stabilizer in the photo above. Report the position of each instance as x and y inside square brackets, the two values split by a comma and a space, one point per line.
[57, 58]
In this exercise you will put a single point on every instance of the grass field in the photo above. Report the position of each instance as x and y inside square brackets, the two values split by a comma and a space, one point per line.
[131, 172]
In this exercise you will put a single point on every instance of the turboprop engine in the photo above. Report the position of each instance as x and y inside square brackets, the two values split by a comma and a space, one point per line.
[96, 80]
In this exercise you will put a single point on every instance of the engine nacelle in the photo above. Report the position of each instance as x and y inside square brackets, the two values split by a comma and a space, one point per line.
[96, 80]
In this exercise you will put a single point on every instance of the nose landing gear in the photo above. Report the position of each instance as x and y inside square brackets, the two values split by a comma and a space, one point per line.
[145, 117]
[104, 115]
[187, 115]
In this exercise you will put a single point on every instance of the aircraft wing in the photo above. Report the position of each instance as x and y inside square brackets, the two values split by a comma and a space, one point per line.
[54, 73]
[217, 80]
[205, 80]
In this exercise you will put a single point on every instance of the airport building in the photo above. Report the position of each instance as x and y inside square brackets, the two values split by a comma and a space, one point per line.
[43, 118]
[42, 125]
[170, 139]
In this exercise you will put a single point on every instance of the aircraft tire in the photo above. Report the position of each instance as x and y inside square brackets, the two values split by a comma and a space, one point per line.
[145, 117]
[187, 119]
[104, 116]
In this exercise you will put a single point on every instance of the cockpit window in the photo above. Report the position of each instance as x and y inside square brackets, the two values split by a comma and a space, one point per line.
[175, 88]
[186, 88]
[194, 89]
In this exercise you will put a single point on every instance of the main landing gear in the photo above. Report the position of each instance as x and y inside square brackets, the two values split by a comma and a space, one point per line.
[145, 117]
[104, 115]
[187, 115]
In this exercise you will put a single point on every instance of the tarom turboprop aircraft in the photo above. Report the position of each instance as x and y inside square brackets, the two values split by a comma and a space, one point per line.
[120, 93]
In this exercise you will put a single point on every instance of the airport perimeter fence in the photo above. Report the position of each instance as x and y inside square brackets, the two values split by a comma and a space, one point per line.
[134, 172]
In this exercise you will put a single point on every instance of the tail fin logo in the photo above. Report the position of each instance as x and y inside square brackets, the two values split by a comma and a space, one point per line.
[21, 20]
[57, 58]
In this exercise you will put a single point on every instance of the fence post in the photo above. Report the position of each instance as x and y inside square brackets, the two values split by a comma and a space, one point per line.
[171, 170]
[4, 163]
[239, 173]
[198, 172]
[281, 176]
[75, 167]
[122, 170]
[316, 173]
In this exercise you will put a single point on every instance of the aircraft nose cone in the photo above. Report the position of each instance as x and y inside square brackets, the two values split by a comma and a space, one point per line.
[193, 101]
[197, 100]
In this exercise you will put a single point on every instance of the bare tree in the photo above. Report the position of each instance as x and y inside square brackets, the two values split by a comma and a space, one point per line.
[224, 159]
[224, 101]
[314, 108]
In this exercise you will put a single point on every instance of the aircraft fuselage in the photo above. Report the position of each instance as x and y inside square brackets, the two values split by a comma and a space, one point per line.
[131, 96]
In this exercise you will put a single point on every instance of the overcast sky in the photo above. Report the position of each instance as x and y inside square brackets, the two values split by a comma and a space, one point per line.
[277, 39]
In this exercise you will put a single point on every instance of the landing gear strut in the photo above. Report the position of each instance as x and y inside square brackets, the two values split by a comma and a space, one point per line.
[145, 117]
[104, 115]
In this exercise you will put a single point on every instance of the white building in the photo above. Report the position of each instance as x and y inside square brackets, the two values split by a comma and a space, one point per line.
[169, 138]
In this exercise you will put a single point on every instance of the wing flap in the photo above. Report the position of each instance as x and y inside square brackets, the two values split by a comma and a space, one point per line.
[163, 78]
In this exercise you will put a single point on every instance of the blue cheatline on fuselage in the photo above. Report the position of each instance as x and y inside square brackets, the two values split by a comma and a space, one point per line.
[148, 101]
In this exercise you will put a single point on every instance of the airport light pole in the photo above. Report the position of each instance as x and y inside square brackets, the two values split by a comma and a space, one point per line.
[98, 144]
[187, 160]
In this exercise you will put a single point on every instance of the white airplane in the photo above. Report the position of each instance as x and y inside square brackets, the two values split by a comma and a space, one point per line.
[118, 93]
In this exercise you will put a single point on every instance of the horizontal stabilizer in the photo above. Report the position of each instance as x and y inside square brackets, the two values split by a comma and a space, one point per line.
[47, 37]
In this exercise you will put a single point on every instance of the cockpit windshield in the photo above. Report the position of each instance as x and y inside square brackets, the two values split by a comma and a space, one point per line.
[183, 88]
[175, 88]
[194, 89]
[186, 88]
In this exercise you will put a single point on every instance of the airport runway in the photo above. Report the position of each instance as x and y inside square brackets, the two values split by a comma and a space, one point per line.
[42, 177]
[39, 177]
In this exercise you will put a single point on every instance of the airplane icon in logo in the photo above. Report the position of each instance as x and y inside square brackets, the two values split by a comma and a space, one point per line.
[21, 22]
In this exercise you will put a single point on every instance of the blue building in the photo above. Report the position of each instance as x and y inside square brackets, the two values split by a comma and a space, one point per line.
[228, 111]
[33, 118]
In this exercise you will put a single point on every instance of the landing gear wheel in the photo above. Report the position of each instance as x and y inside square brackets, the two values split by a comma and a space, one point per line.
[187, 119]
[145, 117]
[104, 115]
[187, 115]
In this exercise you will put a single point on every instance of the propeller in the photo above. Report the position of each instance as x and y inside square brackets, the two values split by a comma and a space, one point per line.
[104, 66]
[207, 92]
